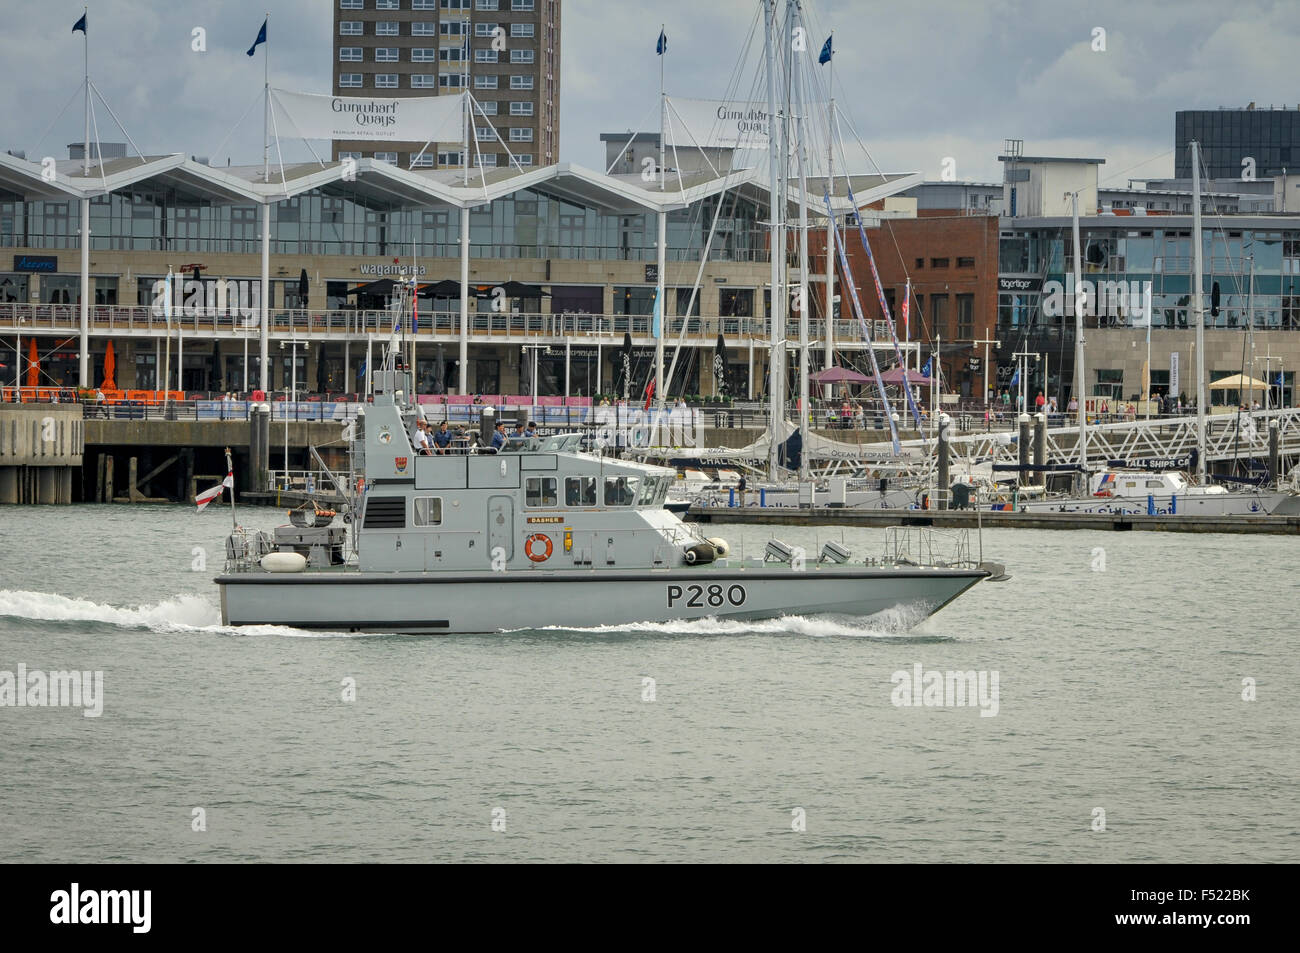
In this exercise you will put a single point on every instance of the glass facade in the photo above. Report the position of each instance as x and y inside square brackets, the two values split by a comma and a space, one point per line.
[1270, 138]
[1119, 261]
[527, 224]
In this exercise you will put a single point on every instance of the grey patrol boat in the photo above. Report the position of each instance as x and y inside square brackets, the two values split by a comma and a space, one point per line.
[540, 534]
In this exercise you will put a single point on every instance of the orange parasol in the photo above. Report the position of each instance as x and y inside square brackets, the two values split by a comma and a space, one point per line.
[110, 365]
[33, 366]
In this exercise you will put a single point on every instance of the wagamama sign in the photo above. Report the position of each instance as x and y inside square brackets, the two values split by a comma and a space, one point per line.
[381, 119]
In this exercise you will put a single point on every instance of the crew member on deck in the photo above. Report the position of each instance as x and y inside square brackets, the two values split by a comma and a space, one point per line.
[442, 439]
[499, 437]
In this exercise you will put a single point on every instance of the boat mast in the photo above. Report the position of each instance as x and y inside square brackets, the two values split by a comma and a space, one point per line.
[795, 10]
[1198, 311]
[829, 360]
[776, 249]
[1079, 391]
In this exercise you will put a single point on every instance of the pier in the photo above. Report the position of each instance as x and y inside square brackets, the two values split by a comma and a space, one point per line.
[970, 519]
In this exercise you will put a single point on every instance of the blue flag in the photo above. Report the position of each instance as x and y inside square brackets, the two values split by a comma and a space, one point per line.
[80, 25]
[662, 46]
[925, 371]
[261, 38]
[1015, 378]
[1279, 379]
[826, 52]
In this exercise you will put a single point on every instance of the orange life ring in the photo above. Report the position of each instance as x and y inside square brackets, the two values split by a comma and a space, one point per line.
[538, 537]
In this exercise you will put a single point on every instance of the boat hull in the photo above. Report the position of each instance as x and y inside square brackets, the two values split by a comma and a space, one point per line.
[1214, 504]
[445, 602]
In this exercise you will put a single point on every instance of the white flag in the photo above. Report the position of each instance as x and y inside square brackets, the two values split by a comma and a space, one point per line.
[207, 496]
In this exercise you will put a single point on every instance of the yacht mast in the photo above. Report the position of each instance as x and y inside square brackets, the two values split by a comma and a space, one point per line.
[1198, 311]
[1080, 392]
[776, 250]
[795, 12]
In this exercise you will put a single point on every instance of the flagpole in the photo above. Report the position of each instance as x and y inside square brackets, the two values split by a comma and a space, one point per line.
[85, 37]
[266, 102]
[230, 475]
[663, 109]
[83, 376]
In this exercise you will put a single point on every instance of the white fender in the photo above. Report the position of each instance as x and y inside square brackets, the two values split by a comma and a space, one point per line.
[284, 562]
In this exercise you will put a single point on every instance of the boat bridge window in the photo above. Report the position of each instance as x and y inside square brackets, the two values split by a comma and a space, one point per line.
[621, 491]
[580, 491]
[1155, 484]
[540, 491]
[428, 510]
[648, 492]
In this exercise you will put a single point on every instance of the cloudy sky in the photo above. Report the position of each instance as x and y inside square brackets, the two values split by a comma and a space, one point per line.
[921, 81]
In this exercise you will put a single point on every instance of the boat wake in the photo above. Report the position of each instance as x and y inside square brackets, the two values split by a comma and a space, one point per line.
[179, 614]
[903, 622]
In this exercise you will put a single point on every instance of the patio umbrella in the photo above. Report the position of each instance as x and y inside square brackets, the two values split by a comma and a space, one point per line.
[441, 289]
[110, 365]
[33, 366]
[1239, 382]
[302, 289]
[838, 375]
[625, 373]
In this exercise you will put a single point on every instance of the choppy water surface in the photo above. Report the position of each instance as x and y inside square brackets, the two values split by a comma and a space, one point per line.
[1120, 661]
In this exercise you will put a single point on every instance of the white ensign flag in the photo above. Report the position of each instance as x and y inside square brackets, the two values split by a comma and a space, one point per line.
[376, 118]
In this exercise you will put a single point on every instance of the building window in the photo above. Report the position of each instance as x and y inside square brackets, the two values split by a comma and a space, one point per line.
[485, 29]
[352, 4]
[424, 29]
[423, 81]
[487, 161]
[428, 510]
[965, 317]
[521, 82]
[349, 155]
[526, 158]
[350, 54]
[485, 109]
[540, 491]
[485, 82]
[455, 4]
[451, 54]
[424, 54]
[452, 27]
[522, 56]
[388, 28]
[521, 134]
[389, 157]
[522, 5]
[939, 315]
[484, 134]
[965, 262]
[522, 29]
[450, 80]
[424, 4]
[485, 56]
[385, 81]
[1110, 383]
[350, 81]
[351, 28]
[938, 262]
[448, 158]
[422, 161]
[521, 109]
[386, 54]
[388, 4]
[920, 263]
[486, 5]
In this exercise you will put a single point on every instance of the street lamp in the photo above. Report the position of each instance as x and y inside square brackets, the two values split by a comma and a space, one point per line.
[292, 395]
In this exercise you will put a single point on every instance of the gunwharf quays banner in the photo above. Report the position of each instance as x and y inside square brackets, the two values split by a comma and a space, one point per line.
[730, 124]
[376, 118]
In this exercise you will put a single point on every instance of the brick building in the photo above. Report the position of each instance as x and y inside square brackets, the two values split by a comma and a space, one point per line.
[951, 255]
